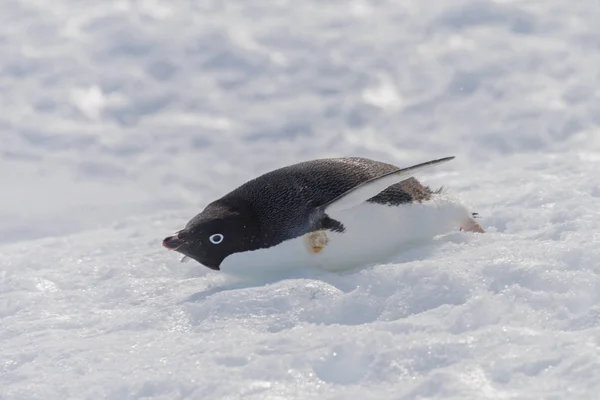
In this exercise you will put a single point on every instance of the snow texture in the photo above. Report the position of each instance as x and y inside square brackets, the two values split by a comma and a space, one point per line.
[120, 120]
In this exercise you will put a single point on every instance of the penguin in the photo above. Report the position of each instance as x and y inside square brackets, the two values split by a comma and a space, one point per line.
[332, 214]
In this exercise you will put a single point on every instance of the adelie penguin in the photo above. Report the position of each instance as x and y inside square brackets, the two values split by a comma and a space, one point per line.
[333, 214]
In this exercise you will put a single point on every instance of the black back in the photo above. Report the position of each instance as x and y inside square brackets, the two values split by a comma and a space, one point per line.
[282, 199]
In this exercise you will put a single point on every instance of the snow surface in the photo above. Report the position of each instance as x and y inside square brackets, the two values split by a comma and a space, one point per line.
[120, 120]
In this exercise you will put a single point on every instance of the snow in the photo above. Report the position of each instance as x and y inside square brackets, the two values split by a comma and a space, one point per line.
[121, 119]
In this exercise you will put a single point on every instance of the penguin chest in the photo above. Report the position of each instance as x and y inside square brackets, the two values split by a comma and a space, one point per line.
[373, 234]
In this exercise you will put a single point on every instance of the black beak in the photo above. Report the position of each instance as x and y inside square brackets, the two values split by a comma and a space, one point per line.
[173, 242]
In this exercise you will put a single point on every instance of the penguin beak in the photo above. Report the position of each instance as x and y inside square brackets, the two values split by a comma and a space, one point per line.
[173, 242]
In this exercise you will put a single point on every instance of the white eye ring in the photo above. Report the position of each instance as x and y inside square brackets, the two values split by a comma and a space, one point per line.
[216, 238]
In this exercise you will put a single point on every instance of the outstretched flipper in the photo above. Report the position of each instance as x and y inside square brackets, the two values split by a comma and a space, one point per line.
[371, 188]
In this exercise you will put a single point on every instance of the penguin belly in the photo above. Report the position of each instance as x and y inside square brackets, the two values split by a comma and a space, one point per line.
[373, 234]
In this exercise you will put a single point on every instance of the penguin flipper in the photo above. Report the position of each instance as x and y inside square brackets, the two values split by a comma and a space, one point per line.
[371, 188]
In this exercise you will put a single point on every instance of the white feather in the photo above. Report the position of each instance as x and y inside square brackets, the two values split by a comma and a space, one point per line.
[374, 233]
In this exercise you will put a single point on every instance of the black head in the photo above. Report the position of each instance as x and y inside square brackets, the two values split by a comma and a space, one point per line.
[218, 231]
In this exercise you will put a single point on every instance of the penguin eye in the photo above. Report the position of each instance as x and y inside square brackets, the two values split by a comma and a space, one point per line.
[216, 238]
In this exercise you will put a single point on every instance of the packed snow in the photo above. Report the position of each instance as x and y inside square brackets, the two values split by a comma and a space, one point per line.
[120, 120]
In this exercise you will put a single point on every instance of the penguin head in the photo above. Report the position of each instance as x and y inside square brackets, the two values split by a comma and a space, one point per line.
[220, 230]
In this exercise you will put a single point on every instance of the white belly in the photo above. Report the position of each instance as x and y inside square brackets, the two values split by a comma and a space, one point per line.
[374, 233]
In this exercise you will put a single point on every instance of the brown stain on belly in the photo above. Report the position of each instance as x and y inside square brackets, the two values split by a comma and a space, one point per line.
[317, 241]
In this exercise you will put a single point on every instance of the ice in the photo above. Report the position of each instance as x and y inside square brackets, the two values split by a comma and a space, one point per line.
[120, 120]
